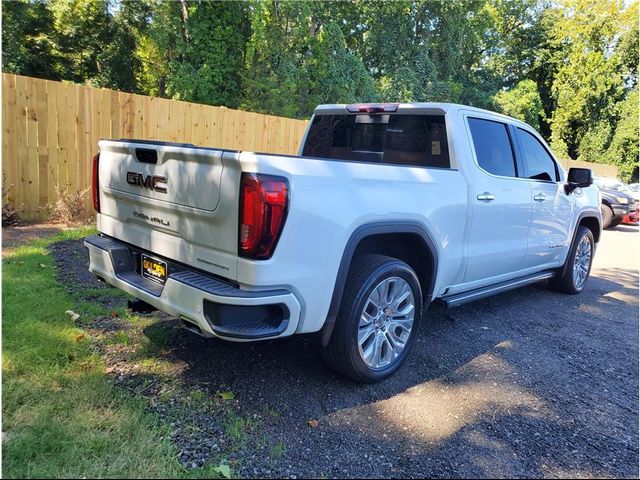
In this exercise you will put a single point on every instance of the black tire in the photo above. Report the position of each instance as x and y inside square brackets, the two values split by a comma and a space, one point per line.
[607, 215]
[342, 353]
[615, 222]
[564, 281]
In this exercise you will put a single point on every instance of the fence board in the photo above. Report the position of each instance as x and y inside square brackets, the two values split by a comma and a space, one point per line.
[52, 139]
[43, 153]
[9, 112]
[81, 137]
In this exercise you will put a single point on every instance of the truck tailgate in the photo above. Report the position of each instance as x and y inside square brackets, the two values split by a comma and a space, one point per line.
[177, 201]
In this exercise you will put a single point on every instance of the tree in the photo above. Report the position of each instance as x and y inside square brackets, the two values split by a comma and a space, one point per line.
[588, 81]
[27, 39]
[118, 66]
[521, 102]
[615, 142]
[156, 47]
[337, 76]
[81, 35]
[567, 67]
[208, 59]
[623, 150]
[627, 46]
[273, 76]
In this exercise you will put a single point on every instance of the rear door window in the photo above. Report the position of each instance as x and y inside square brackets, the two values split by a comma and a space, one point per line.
[414, 140]
[493, 148]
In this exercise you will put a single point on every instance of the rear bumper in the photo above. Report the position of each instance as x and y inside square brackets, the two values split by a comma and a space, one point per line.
[633, 218]
[634, 214]
[204, 303]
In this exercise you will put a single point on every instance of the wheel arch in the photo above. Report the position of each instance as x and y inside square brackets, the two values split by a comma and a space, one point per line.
[390, 238]
[592, 222]
[607, 202]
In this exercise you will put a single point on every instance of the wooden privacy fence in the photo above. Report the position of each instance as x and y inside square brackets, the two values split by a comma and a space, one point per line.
[50, 132]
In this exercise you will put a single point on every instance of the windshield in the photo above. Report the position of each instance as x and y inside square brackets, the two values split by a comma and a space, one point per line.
[610, 184]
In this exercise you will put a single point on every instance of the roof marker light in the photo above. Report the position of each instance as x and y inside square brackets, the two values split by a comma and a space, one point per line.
[372, 107]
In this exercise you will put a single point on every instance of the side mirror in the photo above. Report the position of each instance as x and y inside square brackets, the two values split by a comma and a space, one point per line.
[578, 178]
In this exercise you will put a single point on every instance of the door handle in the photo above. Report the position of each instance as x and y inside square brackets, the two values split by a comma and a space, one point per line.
[486, 197]
[540, 197]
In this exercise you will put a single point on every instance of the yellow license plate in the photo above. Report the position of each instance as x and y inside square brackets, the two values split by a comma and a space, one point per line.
[154, 269]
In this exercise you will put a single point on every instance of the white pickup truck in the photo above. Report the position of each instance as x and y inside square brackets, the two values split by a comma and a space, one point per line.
[387, 208]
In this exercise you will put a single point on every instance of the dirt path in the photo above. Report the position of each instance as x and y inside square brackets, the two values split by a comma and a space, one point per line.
[14, 236]
[531, 383]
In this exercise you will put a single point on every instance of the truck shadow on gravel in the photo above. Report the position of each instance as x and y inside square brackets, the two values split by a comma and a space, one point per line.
[528, 383]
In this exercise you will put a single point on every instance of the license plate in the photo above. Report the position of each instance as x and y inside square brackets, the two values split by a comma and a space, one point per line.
[154, 269]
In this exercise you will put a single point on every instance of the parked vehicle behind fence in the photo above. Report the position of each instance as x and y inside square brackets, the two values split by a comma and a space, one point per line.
[387, 208]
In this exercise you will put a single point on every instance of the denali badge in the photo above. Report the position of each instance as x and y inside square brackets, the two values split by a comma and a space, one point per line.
[146, 217]
[152, 182]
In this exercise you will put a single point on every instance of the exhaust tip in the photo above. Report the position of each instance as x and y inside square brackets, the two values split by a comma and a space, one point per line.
[189, 325]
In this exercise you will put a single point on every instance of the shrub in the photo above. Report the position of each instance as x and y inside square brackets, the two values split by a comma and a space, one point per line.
[9, 214]
[69, 205]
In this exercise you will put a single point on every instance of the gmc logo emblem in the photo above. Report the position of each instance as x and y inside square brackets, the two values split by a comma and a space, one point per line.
[152, 182]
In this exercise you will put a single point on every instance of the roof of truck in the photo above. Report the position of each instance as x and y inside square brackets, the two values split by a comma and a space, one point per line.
[417, 107]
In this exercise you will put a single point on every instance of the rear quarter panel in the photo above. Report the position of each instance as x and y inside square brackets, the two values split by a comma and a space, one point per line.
[329, 200]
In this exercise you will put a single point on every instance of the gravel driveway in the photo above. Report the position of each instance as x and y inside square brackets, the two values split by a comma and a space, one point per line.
[530, 383]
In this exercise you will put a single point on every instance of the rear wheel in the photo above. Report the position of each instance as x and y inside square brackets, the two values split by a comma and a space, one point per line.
[379, 317]
[578, 264]
[607, 215]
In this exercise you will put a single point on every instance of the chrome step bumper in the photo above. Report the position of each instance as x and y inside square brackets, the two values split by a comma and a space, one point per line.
[215, 307]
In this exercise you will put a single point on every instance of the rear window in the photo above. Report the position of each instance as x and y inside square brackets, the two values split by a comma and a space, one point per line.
[414, 140]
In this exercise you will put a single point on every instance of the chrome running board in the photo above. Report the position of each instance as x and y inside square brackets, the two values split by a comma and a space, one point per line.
[465, 297]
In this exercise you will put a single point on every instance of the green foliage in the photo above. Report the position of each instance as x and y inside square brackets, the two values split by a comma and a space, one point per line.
[76, 40]
[208, 53]
[156, 46]
[340, 76]
[81, 34]
[615, 142]
[566, 67]
[623, 150]
[627, 48]
[588, 82]
[27, 39]
[594, 143]
[522, 102]
[274, 77]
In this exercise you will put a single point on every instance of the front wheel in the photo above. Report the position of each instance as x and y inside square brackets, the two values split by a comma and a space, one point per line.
[378, 321]
[607, 216]
[577, 267]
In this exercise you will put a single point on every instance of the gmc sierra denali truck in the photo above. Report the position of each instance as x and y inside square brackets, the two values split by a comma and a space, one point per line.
[387, 208]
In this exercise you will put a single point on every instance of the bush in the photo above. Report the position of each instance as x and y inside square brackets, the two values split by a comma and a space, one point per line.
[9, 214]
[69, 205]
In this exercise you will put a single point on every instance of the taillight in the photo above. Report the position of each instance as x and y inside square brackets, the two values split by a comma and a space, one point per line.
[95, 186]
[264, 200]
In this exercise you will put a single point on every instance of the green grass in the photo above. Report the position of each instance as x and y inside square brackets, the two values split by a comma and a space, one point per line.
[62, 415]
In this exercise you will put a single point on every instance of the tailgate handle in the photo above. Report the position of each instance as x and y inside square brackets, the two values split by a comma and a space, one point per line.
[147, 155]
